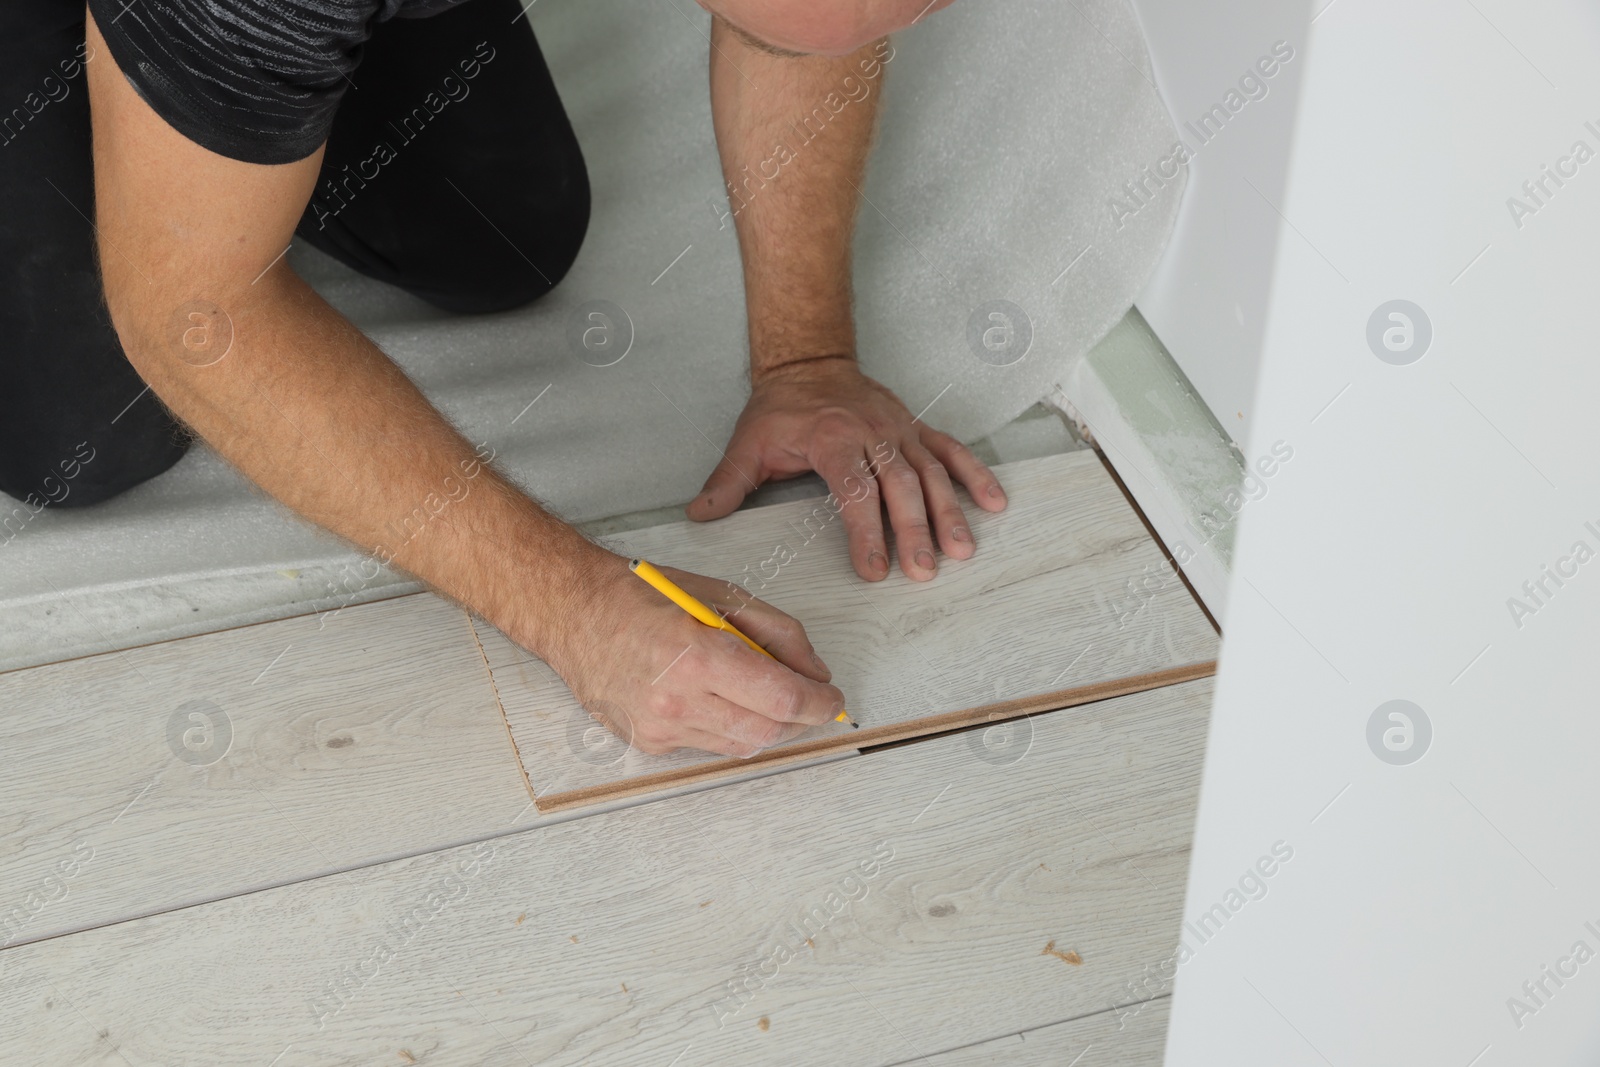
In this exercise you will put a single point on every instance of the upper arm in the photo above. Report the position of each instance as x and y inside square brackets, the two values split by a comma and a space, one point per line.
[178, 223]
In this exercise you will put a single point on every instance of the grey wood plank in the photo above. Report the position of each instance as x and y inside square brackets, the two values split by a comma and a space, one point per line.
[868, 911]
[1135, 1037]
[1067, 590]
[333, 741]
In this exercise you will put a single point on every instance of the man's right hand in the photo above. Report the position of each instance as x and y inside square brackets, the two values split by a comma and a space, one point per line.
[661, 680]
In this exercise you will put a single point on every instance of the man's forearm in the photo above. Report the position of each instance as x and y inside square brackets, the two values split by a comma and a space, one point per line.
[794, 134]
[318, 417]
[285, 388]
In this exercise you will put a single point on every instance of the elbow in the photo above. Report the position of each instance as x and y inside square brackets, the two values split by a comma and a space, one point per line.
[160, 320]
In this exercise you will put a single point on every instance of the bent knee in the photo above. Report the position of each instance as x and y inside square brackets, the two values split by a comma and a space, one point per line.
[73, 465]
[530, 261]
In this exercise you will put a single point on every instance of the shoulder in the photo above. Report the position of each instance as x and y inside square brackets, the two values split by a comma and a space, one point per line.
[254, 80]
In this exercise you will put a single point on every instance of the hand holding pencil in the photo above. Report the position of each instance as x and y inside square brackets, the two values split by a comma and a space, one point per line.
[664, 585]
[661, 678]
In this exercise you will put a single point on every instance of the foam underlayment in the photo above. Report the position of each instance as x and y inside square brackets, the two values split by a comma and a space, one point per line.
[1007, 126]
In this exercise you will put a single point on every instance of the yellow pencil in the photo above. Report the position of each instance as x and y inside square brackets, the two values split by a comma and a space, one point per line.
[669, 589]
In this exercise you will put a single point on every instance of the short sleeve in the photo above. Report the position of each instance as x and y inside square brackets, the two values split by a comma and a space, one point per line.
[254, 80]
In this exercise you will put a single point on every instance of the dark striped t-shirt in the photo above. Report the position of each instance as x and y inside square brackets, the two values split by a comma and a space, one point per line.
[254, 80]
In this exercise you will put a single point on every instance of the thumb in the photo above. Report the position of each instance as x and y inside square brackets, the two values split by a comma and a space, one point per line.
[731, 481]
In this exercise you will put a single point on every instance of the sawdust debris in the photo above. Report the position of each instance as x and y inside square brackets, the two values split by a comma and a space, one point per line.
[1070, 956]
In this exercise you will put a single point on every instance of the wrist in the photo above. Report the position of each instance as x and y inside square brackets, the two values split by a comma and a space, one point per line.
[801, 367]
[524, 570]
[562, 579]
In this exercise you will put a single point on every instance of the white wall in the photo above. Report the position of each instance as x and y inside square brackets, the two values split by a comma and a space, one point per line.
[1420, 897]
[1208, 299]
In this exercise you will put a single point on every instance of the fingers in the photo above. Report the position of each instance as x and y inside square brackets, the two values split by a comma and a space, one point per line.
[743, 732]
[844, 469]
[967, 469]
[939, 498]
[709, 742]
[901, 486]
[739, 472]
[778, 633]
[712, 723]
[736, 702]
[764, 687]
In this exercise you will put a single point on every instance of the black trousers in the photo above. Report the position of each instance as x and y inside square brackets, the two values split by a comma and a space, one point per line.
[469, 192]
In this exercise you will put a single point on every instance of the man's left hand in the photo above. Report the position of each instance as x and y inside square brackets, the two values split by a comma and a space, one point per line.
[824, 415]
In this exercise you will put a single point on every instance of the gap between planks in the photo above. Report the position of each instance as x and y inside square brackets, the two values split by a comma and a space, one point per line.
[1155, 535]
[915, 729]
[500, 705]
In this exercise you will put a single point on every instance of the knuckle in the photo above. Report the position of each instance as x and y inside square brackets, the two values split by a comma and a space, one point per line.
[952, 444]
[903, 474]
[866, 542]
[786, 705]
[664, 708]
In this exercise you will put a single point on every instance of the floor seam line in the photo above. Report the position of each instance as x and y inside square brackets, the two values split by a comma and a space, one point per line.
[494, 687]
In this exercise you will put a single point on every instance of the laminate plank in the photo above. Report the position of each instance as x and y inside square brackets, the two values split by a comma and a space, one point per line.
[869, 911]
[333, 741]
[1067, 600]
[1134, 1037]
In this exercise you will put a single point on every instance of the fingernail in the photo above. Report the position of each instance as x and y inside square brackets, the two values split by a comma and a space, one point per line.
[961, 533]
[877, 562]
[821, 666]
[996, 492]
[925, 560]
[752, 753]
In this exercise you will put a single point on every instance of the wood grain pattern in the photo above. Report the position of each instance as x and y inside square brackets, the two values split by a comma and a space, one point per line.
[351, 739]
[1109, 1039]
[912, 888]
[1067, 594]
